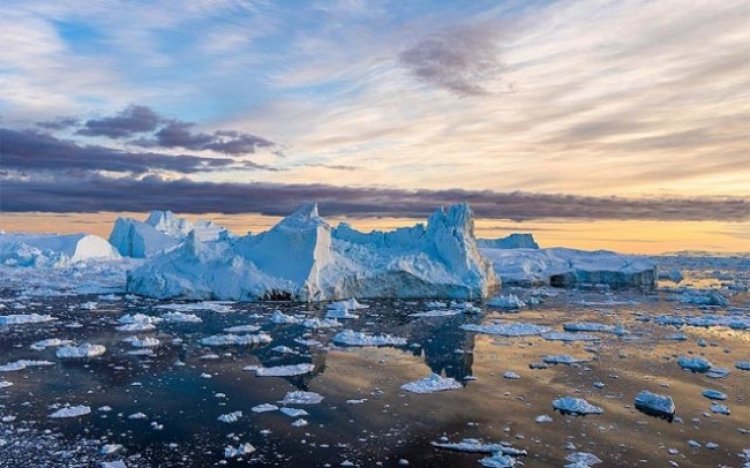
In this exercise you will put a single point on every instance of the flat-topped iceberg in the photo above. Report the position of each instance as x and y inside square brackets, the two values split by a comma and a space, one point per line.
[302, 258]
[513, 241]
[53, 250]
[161, 231]
[569, 267]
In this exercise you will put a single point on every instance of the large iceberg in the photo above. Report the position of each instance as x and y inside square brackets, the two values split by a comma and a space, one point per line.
[161, 231]
[303, 258]
[513, 241]
[37, 250]
[564, 267]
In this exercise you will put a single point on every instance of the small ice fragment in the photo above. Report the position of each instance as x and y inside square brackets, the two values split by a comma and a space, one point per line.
[71, 412]
[264, 408]
[431, 384]
[655, 405]
[714, 394]
[301, 398]
[86, 350]
[543, 418]
[694, 364]
[510, 375]
[230, 417]
[575, 406]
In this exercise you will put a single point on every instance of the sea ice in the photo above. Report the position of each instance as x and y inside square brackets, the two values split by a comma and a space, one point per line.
[284, 371]
[86, 350]
[714, 394]
[511, 301]
[240, 450]
[230, 417]
[352, 338]
[431, 384]
[71, 412]
[575, 406]
[301, 398]
[655, 404]
[236, 340]
[694, 364]
[21, 319]
[510, 329]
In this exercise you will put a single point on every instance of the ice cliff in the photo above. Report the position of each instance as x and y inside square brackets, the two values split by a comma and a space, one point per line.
[304, 258]
[161, 231]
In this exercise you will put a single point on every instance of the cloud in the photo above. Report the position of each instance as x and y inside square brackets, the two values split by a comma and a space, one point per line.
[457, 59]
[60, 123]
[131, 121]
[178, 134]
[29, 151]
[98, 193]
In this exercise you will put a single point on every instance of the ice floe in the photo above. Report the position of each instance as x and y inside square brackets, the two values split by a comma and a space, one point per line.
[240, 450]
[511, 301]
[352, 338]
[301, 398]
[575, 406]
[509, 329]
[22, 364]
[694, 364]
[71, 412]
[229, 418]
[432, 383]
[21, 319]
[86, 350]
[284, 371]
[236, 340]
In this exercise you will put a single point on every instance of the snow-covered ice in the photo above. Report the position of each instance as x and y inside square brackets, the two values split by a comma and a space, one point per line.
[576, 406]
[86, 350]
[301, 398]
[236, 340]
[352, 338]
[284, 371]
[71, 412]
[510, 329]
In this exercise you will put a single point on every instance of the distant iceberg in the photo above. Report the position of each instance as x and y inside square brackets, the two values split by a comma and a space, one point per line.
[563, 267]
[302, 258]
[161, 231]
[513, 241]
[53, 250]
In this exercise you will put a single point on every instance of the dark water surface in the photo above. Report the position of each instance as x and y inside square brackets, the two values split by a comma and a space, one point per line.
[391, 424]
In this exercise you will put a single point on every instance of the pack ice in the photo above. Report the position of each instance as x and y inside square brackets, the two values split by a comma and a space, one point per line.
[303, 258]
[162, 230]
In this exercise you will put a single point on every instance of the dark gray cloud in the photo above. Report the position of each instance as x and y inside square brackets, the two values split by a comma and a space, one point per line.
[30, 151]
[133, 120]
[98, 193]
[458, 59]
[60, 123]
[178, 134]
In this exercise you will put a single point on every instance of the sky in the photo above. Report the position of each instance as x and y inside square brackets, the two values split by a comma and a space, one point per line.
[614, 124]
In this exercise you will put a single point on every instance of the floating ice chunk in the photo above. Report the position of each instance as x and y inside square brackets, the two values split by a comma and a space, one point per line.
[593, 327]
[498, 460]
[504, 328]
[22, 319]
[49, 343]
[280, 318]
[242, 329]
[672, 275]
[708, 297]
[5, 384]
[435, 305]
[141, 352]
[281, 349]
[147, 342]
[342, 309]
[301, 398]
[717, 373]
[511, 301]
[477, 446]
[221, 307]
[236, 340]
[23, 364]
[71, 412]
[510, 375]
[431, 384]
[694, 364]
[230, 417]
[714, 394]
[437, 313]
[300, 423]
[676, 337]
[86, 350]
[563, 359]
[575, 406]
[240, 450]
[568, 336]
[138, 318]
[138, 415]
[316, 323]
[284, 371]
[264, 408]
[543, 418]
[583, 459]
[109, 449]
[294, 412]
[655, 405]
[114, 464]
[352, 338]
[720, 409]
[180, 317]
[742, 365]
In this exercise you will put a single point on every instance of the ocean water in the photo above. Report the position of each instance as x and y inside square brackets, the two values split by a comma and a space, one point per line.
[184, 387]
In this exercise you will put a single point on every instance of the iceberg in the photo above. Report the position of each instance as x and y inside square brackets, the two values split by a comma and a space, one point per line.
[86, 350]
[431, 384]
[562, 267]
[575, 406]
[302, 258]
[513, 241]
[71, 412]
[694, 364]
[352, 338]
[161, 231]
[53, 250]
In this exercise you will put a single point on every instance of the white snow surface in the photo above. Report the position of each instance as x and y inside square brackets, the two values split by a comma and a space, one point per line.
[303, 258]
[567, 267]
